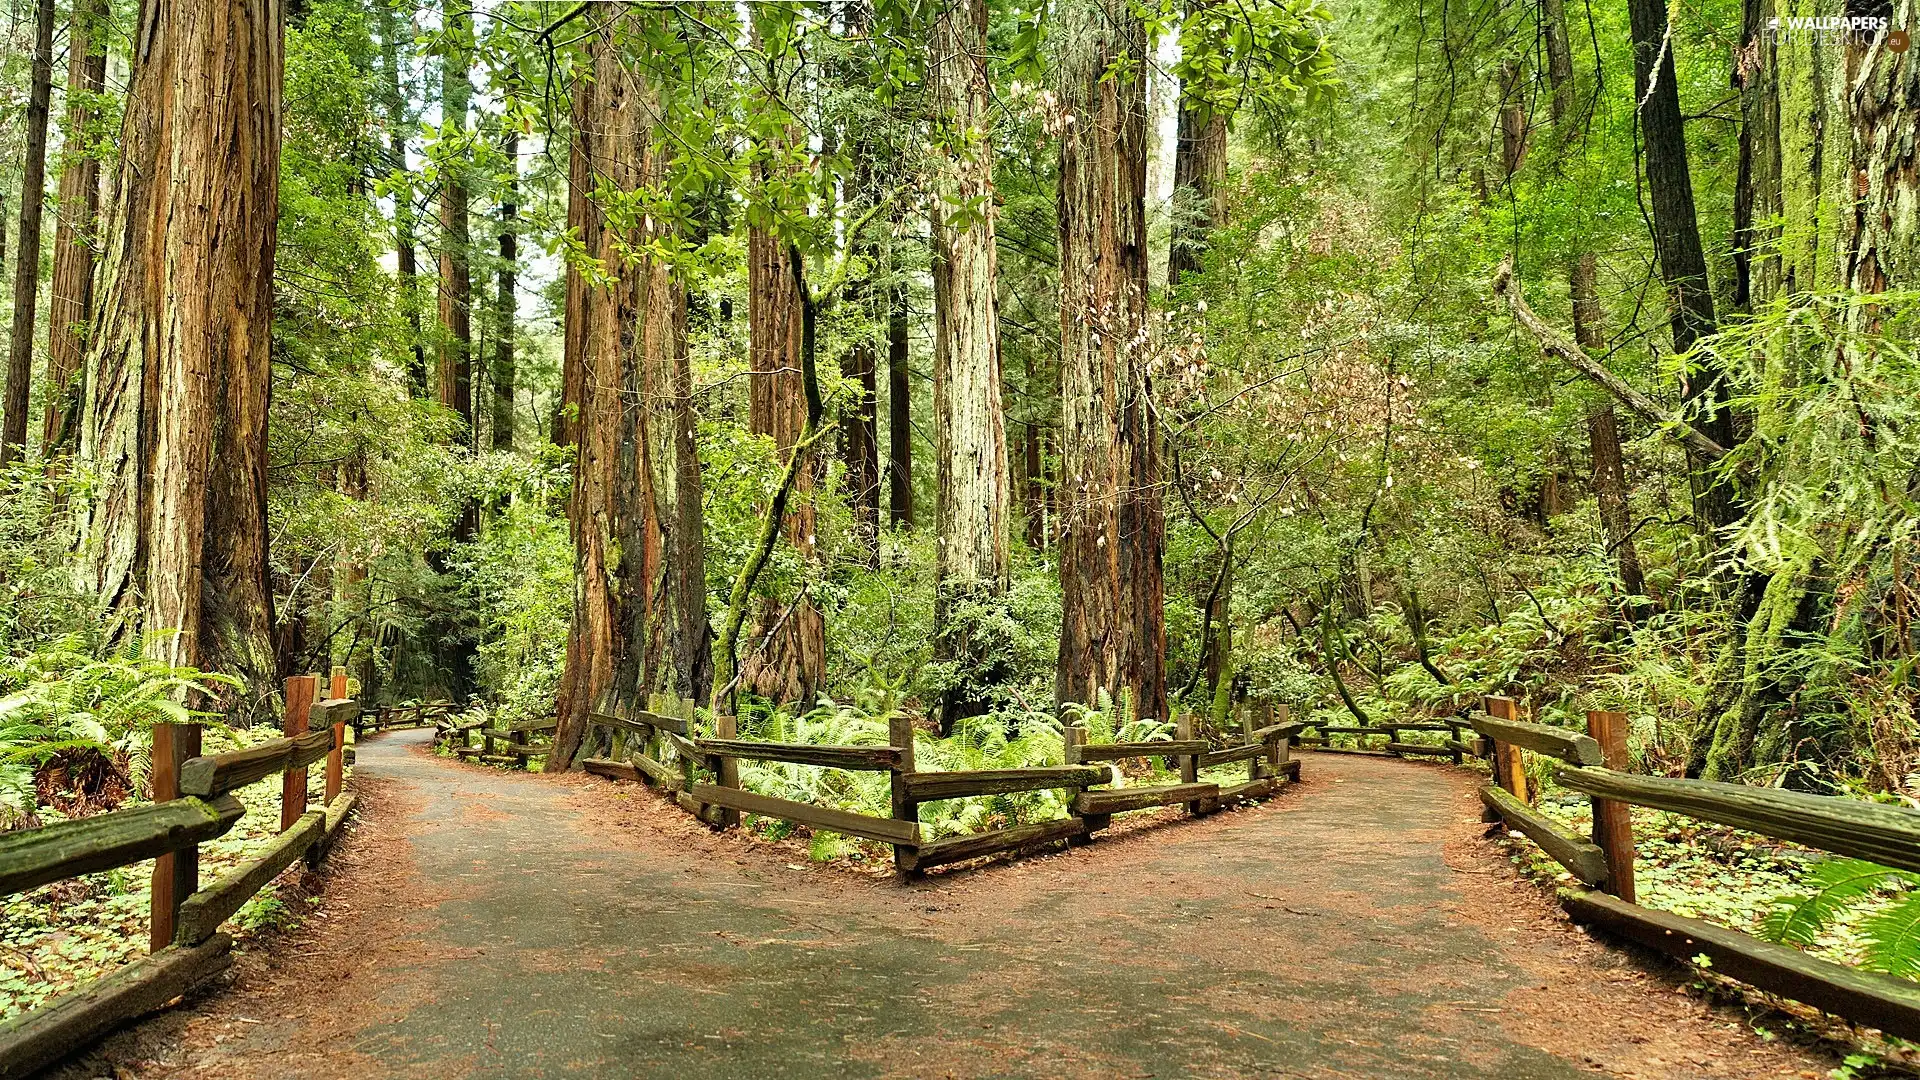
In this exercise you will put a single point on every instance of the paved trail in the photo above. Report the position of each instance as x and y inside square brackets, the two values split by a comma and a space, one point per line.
[486, 924]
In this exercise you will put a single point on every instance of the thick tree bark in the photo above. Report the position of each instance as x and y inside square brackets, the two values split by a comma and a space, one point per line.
[859, 426]
[786, 656]
[1676, 240]
[406, 260]
[899, 413]
[71, 304]
[504, 298]
[1883, 90]
[179, 355]
[606, 146]
[1113, 632]
[972, 569]
[453, 650]
[26, 263]
[639, 621]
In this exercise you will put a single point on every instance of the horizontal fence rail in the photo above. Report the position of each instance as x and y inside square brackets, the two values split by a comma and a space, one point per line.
[1594, 764]
[192, 804]
[658, 746]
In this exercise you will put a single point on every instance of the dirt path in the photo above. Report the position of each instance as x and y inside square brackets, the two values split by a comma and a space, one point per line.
[480, 923]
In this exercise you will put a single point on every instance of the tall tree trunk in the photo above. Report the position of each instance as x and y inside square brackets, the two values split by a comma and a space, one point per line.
[1676, 240]
[899, 413]
[179, 354]
[972, 569]
[406, 261]
[1035, 474]
[1113, 632]
[455, 382]
[640, 616]
[1513, 119]
[1757, 205]
[26, 264]
[73, 232]
[453, 649]
[607, 147]
[786, 656]
[1199, 184]
[505, 300]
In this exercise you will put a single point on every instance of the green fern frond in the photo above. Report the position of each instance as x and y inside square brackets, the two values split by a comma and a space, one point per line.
[1891, 938]
[1800, 920]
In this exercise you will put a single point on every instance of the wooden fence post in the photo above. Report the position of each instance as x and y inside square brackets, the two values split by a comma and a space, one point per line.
[1509, 767]
[293, 783]
[1613, 821]
[1189, 763]
[336, 758]
[1282, 747]
[1255, 766]
[900, 734]
[176, 874]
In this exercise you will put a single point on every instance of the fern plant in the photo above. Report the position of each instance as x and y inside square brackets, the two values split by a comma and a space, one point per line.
[62, 699]
[1888, 935]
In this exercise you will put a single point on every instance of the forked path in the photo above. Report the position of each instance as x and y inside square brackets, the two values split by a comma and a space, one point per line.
[480, 923]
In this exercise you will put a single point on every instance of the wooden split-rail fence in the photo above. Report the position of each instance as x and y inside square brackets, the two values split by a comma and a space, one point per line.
[1595, 764]
[500, 744]
[192, 803]
[660, 746]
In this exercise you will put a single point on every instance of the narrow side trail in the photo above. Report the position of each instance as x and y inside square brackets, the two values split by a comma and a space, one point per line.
[480, 923]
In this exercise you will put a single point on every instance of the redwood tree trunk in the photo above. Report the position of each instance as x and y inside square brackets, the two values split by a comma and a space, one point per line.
[1883, 251]
[73, 232]
[179, 354]
[1603, 436]
[1113, 631]
[455, 382]
[860, 447]
[639, 621]
[26, 263]
[971, 572]
[606, 148]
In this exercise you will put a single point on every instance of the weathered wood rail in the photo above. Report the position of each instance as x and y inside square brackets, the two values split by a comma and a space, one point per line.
[1594, 764]
[192, 803]
[660, 746]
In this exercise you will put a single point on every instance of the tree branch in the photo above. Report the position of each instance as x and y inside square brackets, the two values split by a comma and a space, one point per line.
[1556, 345]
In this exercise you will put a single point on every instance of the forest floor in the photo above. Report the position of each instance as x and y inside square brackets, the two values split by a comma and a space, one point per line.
[482, 923]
